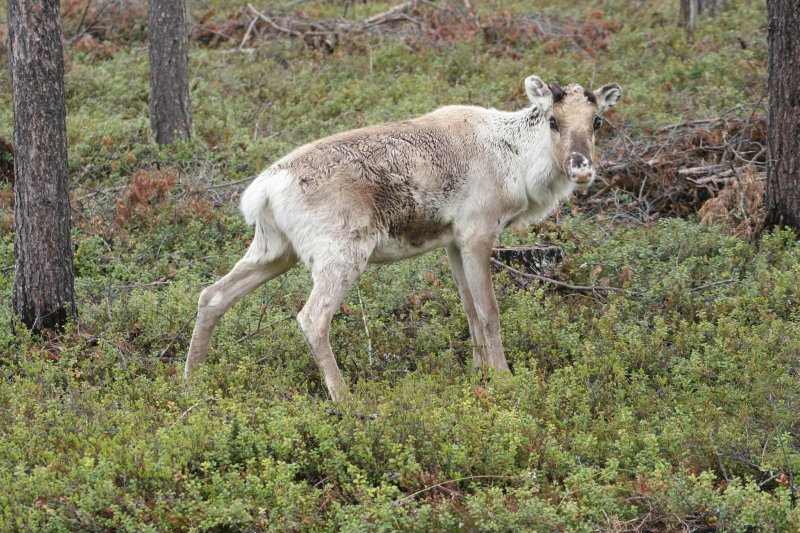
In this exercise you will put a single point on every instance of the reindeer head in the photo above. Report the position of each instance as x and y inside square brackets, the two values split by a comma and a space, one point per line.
[573, 114]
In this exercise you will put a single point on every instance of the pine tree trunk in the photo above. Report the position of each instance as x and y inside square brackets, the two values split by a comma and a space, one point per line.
[783, 131]
[690, 9]
[689, 17]
[170, 113]
[44, 293]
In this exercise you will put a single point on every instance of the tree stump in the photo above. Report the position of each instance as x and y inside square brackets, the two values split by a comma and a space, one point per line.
[535, 259]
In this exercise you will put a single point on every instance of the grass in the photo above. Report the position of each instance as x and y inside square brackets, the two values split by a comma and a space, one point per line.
[671, 405]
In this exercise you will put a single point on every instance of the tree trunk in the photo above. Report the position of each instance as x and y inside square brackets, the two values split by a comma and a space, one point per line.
[689, 17]
[689, 9]
[170, 113]
[44, 293]
[783, 130]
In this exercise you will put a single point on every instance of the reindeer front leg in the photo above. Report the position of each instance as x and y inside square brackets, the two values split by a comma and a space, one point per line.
[479, 358]
[475, 254]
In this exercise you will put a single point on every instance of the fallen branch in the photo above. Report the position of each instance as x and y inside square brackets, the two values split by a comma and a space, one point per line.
[233, 183]
[714, 284]
[247, 33]
[404, 499]
[685, 124]
[272, 24]
[175, 337]
[391, 14]
[259, 329]
[210, 399]
[576, 288]
[699, 171]
[341, 414]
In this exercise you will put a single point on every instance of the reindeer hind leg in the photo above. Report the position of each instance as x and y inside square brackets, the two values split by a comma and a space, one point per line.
[215, 300]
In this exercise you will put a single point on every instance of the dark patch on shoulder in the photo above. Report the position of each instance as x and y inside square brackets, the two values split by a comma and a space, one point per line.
[398, 211]
[417, 230]
[590, 96]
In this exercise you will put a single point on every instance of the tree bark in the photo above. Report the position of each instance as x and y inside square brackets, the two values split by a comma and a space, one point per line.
[170, 112]
[690, 9]
[783, 129]
[689, 17]
[44, 293]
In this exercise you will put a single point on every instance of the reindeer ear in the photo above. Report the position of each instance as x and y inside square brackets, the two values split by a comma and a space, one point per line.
[538, 93]
[607, 96]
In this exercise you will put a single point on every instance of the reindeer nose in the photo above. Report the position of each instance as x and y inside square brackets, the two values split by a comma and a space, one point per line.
[580, 170]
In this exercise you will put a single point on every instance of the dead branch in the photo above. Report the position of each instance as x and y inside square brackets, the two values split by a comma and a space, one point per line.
[576, 288]
[210, 400]
[272, 23]
[681, 166]
[442, 484]
[391, 14]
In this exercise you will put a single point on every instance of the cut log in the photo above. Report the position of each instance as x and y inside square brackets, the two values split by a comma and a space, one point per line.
[541, 260]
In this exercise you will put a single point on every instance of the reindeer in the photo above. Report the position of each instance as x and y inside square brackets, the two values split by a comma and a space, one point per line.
[454, 178]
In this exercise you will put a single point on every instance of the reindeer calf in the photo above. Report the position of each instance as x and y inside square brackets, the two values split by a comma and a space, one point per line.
[454, 178]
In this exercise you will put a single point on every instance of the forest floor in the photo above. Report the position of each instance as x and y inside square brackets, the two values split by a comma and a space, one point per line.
[665, 399]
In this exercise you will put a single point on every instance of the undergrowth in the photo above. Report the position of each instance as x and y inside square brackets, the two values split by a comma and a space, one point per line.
[672, 403]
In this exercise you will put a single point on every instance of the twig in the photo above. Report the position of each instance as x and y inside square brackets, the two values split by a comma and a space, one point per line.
[78, 32]
[698, 171]
[340, 414]
[269, 301]
[173, 339]
[685, 124]
[576, 288]
[233, 183]
[247, 33]
[94, 22]
[366, 326]
[213, 31]
[715, 284]
[106, 192]
[381, 18]
[260, 330]
[265, 18]
[789, 469]
[441, 485]
[210, 399]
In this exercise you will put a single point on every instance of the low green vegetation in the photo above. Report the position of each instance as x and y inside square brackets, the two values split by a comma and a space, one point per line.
[669, 404]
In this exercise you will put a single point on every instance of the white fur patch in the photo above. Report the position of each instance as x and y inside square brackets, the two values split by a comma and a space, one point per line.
[216, 299]
[538, 93]
[256, 197]
[269, 241]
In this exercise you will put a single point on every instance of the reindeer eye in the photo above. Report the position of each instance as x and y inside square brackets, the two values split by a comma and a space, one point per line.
[597, 123]
[553, 124]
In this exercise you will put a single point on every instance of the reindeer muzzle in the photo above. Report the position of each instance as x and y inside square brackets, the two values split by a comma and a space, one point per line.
[580, 171]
